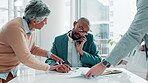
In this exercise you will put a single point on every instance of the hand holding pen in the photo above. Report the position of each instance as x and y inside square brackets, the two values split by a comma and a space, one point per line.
[64, 68]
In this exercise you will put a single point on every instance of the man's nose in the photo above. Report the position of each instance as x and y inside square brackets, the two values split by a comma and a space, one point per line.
[45, 22]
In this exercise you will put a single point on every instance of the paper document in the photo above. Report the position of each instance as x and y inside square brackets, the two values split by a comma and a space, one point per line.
[76, 72]
[112, 72]
[83, 71]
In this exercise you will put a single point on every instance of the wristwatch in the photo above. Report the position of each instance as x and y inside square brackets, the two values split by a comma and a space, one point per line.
[106, 63]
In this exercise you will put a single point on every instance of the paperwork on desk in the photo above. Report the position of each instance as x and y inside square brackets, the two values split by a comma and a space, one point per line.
[82, 71]
[78, 72]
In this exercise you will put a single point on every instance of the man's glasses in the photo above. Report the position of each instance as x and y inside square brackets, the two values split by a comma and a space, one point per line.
[80, 29]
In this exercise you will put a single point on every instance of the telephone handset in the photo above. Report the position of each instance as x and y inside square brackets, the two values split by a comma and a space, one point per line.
[80, 40]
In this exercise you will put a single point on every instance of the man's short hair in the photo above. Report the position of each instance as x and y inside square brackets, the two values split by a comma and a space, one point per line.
[84, 19]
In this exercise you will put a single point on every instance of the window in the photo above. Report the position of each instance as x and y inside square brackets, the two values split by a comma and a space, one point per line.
[108, 19]
[97, 11]
[11, 9]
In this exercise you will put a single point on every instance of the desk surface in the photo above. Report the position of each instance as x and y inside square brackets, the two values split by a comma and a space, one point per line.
[35, 76]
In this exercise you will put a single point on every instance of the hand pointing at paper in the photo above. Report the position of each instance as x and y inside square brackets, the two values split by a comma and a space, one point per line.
[96, 70]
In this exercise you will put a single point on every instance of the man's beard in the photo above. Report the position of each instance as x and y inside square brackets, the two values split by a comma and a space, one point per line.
[73, 36]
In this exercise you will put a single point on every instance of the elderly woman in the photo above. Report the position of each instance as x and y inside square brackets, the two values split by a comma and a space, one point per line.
[17, 42]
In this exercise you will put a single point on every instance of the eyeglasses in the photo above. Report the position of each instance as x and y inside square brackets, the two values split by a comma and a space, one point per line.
[80, 29]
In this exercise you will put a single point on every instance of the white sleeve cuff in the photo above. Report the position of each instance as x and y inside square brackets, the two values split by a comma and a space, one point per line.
[48, 68]
[49, 54]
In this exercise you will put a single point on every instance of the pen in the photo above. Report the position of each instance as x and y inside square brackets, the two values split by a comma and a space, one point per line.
[73, 69]
[57, 62]
[76, 68]
[60, 64]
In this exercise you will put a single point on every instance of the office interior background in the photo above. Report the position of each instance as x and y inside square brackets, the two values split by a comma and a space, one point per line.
[109, 19]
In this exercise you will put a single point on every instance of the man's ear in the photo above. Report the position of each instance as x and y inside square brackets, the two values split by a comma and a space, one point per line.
[33, 21]
[74, 23]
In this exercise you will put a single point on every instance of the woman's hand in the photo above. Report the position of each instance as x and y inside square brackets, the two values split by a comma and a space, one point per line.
[52, 67]
[56, 58]
[64, 68]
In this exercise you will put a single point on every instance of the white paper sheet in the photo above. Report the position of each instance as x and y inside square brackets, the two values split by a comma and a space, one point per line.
[76, 72]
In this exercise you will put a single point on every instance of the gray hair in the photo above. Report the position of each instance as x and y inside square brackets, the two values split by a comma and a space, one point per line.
[36, 9]
[84, 19]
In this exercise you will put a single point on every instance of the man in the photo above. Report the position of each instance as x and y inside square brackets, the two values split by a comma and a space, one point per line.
[133, 36]
[17, 42]
[76, 48]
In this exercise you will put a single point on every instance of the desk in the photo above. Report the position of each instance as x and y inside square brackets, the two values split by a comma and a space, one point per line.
[36, 76]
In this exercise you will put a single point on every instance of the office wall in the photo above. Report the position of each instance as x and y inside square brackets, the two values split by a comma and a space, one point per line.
[56, 23]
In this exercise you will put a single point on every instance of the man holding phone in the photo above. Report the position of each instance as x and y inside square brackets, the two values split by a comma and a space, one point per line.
[76, 48]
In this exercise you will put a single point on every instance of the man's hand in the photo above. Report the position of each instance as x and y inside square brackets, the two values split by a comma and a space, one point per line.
[64, 68]
[79, 46]
[56, 58]
[96, 70]
[144, 47]
[122, 62]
